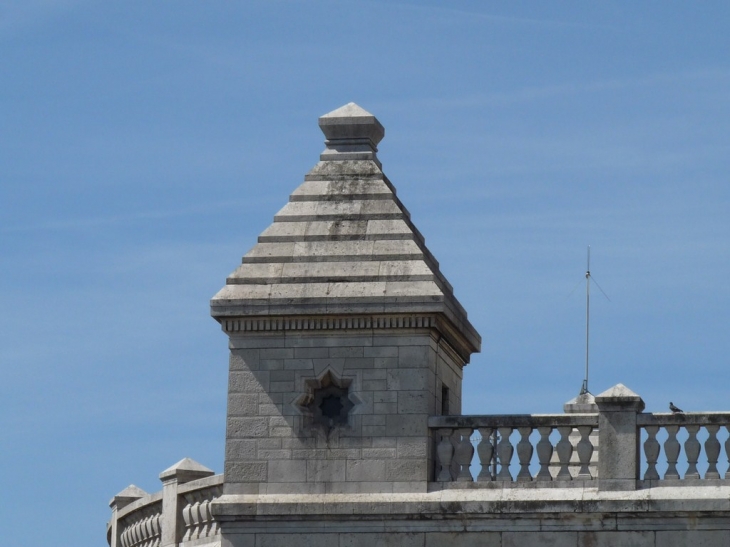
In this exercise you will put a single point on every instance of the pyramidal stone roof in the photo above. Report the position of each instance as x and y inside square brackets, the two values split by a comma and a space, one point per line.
[344, 245]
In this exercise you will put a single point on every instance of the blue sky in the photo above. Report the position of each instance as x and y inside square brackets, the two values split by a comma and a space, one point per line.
[144, 146]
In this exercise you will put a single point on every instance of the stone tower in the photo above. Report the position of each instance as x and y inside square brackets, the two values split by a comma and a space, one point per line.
[344, 335]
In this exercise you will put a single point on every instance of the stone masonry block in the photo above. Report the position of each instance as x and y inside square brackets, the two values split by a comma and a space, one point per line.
[279, 454]
[243, 404]
[344, 454]
[238, 471]
[408, 425]
[287, 471]
[326, 471]
[360, 362]
[377, 374]
[385, 397]
[622, 538]
[240, 449]
[412, 379]
[366, 470]
[239, 540]
[244, 359]
[298, 443]
[373, 419]
[385, 362]
[256, 342]
[281, 432]
[373, 430]
[271, 364]
[400, 340]
[384, 539]
[381, 351]
[409, 447]
[695, 538]
[298, 364]
[374, 385]
[414, 356]
[384, 442]
[385, 408]
[308, 453]
[281, 387]
[297, 540]
[241, 428]
[248, 382]
[414, 402]
[355, 442]
[276, 353]
[345, 352]
[269, 409]
[378, 453]
[311, 353]
[268, 444]
[540, 539]
[281, 376]
[464, 539]
[406, 470]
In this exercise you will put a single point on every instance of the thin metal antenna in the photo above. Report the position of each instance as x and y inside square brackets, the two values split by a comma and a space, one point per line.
[584, 389]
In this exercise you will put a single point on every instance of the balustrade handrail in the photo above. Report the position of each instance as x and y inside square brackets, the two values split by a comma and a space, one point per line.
[685, 418]
[513, 420]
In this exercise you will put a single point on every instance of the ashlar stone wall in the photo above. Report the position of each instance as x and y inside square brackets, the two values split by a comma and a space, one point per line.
[396, 380]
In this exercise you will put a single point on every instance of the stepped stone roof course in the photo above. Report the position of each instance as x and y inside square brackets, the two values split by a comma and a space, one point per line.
[343, 244]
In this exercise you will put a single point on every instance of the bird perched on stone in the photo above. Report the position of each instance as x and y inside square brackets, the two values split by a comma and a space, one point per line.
[674, 409]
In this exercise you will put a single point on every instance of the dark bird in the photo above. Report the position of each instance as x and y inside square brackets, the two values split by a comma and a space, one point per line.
[674, 409]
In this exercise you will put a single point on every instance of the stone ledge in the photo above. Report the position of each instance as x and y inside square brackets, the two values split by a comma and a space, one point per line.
[458, 504]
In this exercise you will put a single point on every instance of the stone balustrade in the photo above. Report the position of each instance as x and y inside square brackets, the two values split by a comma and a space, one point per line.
[496, 446]
[179, 515]
[645, 450]
[671, 456]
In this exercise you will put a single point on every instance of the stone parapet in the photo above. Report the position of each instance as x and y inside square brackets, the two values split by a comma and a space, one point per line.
[579, 517]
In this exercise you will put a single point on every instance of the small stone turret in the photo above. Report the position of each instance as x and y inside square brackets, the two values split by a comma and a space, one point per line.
[344, 334]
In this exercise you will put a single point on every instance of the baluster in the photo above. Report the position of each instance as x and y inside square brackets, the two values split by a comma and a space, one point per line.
[134, 534]
[712, 449]
[671, 449]
[727, 452]
[203, 511]
[692, 448]
[188, 519]
[504, 453]
[524, 454]
[564, 449]
[195, 512]
[145, 531]
[651, 451]
[585, 451]
[213, 526]
[544, 453]
[124, 537]
[156, 530]
[444, 452]
[485, 449]
[207, 518]
[463, 454]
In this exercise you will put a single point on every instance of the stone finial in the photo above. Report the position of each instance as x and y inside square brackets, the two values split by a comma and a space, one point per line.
[352, 133]
[125, 497]
[619, 396]
[185, 470]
